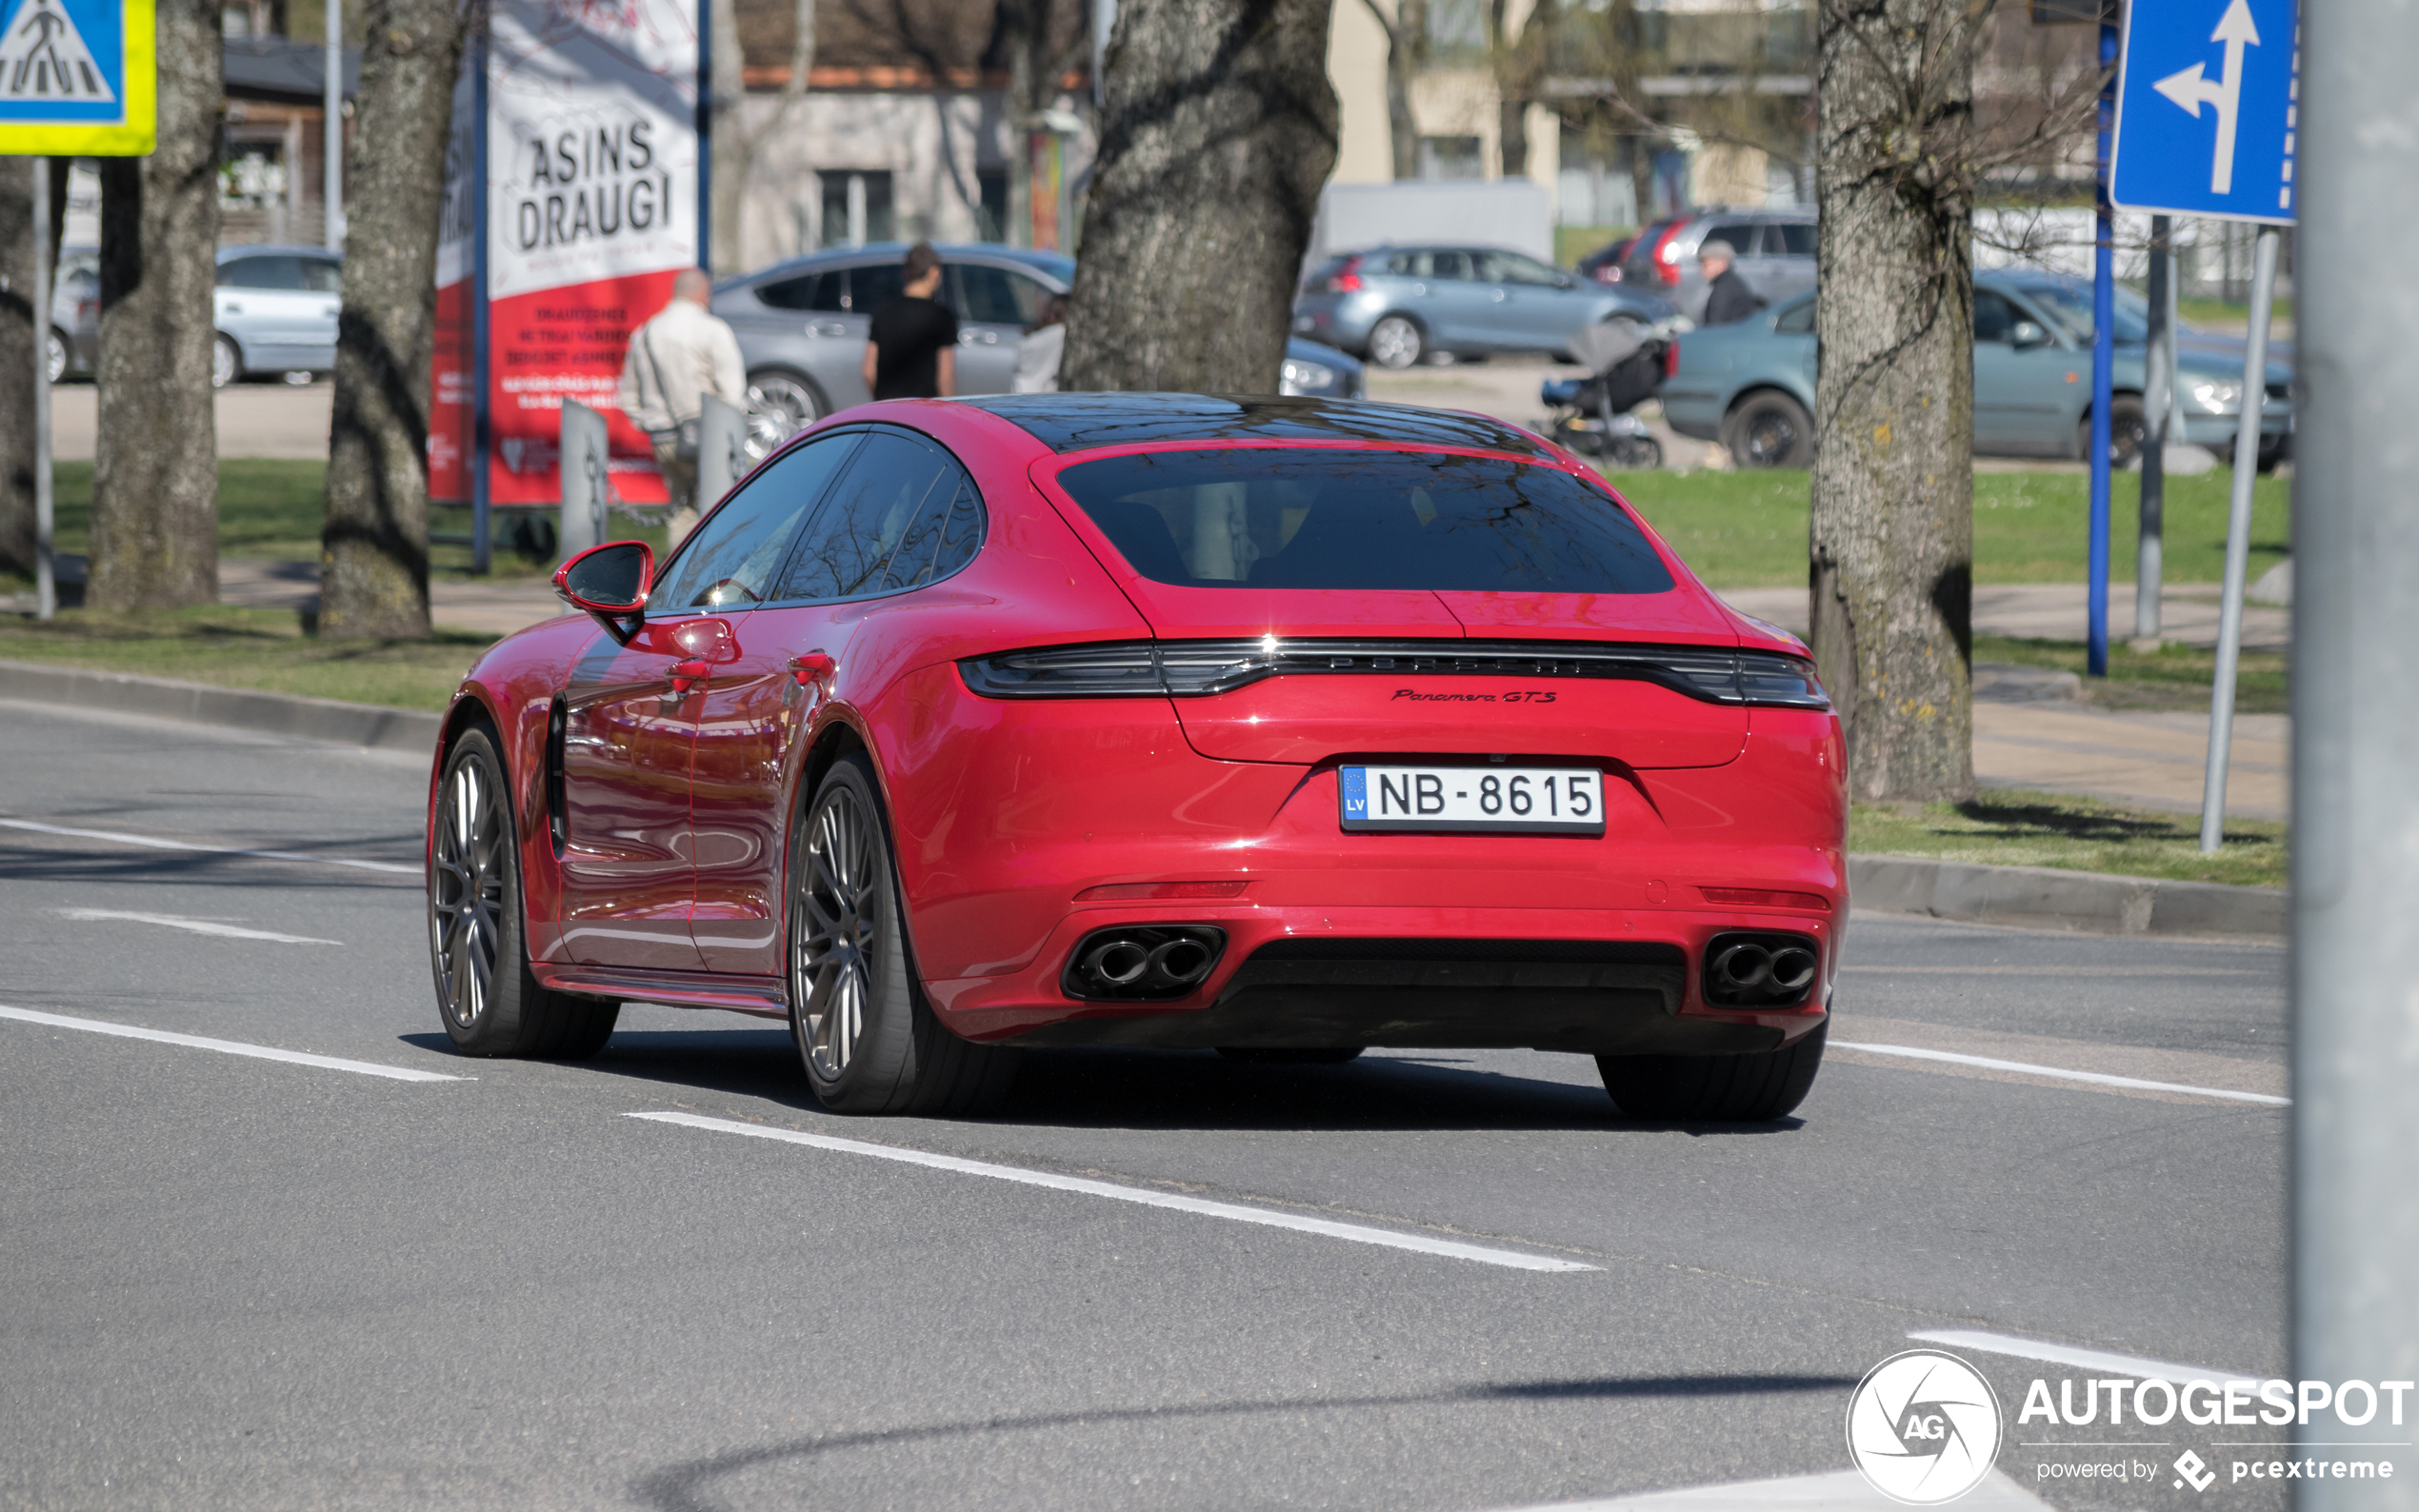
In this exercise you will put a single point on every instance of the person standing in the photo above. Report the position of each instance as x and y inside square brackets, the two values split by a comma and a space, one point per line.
[911, 352]
[1038, 355]
[684, 352]
[1728, 298]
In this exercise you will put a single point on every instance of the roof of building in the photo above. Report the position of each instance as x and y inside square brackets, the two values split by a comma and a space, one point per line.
[282, 69]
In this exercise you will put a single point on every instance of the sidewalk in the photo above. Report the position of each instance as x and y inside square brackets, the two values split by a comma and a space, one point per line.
[496, 607]
[2061, 611]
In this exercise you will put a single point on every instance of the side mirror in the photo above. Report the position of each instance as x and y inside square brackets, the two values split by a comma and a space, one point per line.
[610, 582]
[2027, 333]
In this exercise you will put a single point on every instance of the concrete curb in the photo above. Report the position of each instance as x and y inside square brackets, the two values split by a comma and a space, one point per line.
[324, 719]
[2042, 897]
[2037, 896]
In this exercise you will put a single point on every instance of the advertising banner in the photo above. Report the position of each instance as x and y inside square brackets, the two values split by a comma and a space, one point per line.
[450, 437]
[591, 188]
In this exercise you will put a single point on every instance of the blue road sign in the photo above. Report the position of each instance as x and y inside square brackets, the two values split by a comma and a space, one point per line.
[2208, 101]
[76, 77]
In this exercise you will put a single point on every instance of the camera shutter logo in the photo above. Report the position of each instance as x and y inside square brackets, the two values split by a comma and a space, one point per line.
[1924, 1427]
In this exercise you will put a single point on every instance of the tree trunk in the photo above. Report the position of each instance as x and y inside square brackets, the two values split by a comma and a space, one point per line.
[374, 552]
[1218, 130]
[732, 152]
[1401, 64]
[1024, 26]
[1891, 549]
[21, 330]
[1518, 62]
[155, 479]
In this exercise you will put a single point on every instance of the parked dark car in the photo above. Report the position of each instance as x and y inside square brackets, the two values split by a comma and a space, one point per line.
[1751, 385]
[1396, 306]
[802, 328]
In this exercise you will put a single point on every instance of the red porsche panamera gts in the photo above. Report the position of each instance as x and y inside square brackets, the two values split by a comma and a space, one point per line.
[1284, 728]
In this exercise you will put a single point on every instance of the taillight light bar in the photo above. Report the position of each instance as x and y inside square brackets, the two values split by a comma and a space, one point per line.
[1346, 279]
[1200, 668]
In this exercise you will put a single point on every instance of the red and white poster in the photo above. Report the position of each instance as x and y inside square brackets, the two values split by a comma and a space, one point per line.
[591, 208]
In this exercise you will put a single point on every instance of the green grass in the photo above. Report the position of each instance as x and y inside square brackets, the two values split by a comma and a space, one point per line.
[2172, 677]
[272, 510]
[1572, 242]
[249, 647]
[1748, 529]
[2010, 828]
[2225, 316]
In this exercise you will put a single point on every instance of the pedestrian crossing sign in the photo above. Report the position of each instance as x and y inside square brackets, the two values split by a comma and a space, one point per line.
[76, 78]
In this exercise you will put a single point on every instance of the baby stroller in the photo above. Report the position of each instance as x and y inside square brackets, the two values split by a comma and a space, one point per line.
[1591, 415]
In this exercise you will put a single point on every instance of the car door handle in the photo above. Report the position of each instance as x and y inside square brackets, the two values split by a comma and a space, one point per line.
[233, 309]
[825, 327]
[687, 675]
[814, 667]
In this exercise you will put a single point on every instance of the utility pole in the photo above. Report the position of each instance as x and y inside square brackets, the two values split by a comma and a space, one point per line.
[2355, 898]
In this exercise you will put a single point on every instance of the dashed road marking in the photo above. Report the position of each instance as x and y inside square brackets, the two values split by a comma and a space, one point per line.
[155, 843]
[2088, 1078]
[209, 927]
[196, 1041]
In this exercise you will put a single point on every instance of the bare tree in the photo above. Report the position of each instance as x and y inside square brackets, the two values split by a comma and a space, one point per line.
[1217, 133]
[1517, 57]
[737, 143]
[1900, 152]
[373, 550]
[1405, 52]
[155, 477]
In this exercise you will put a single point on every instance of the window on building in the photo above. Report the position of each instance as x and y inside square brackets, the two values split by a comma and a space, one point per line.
[990, 209]
[1450, 157]
[856, 206]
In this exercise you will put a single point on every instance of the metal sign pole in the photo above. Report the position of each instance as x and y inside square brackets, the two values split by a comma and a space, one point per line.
[482, 546]
[2157, 399]
[46, 583]
[2238, 543]
[331, 132]
[2103, 361]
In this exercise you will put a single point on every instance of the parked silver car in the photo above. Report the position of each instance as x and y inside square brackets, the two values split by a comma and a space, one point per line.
[75, 312]
[1398, 304]
[801, 328]
[1774, 250]
[275, 308]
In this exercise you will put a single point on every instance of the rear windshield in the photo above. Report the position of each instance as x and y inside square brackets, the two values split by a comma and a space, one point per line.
[1269, 518]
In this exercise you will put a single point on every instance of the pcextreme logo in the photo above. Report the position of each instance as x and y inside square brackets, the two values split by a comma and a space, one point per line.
[1924, 1427]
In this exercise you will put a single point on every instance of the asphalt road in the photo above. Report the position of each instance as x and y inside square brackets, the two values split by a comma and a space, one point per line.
[230, 1282]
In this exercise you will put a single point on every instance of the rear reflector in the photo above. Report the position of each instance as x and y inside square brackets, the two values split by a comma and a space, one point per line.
[1766, 898]
[1142, 891]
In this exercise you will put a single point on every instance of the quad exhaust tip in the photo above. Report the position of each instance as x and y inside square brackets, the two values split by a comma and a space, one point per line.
[1142, 963]
[1758, 970]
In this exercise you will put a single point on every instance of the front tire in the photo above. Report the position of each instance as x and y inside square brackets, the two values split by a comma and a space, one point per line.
[869, 1041]
[780, 404]
[2128, 432]
[1396, 342]
[488, 998]
[1769, 429]
[1714, 1088]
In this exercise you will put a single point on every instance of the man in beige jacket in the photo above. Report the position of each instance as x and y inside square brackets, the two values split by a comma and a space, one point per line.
[684, 352]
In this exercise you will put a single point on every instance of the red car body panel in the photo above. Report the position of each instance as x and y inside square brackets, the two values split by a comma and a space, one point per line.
[669, 876]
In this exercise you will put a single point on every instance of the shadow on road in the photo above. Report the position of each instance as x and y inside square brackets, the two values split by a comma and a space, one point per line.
[1165, 1090]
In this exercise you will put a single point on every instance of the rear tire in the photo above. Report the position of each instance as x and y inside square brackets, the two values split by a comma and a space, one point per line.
[780, 404]
[488, 998]
[1325, 1055]
[1768, 429]
[226, 362]
[1714, 1088]
[867, 1037]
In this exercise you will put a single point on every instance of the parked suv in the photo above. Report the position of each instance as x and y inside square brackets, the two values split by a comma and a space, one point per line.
[1775, 251]
[1398, 304]
[802, 328]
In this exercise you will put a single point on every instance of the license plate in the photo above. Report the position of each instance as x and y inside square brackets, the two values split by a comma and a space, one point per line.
[1502, 800]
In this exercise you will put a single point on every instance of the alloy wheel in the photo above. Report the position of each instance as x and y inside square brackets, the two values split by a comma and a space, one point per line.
[54, 358]
[226, 363]
[1395, 343]
[836, 923]
[466, 898]
[779, 408]
[1771, 438]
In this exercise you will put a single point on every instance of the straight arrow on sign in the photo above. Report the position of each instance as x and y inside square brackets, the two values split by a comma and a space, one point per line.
[2189, 88]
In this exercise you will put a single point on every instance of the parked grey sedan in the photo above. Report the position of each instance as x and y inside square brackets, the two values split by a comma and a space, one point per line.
[275, 307]
[801, 328]
[1398, 304]
[1751, 385]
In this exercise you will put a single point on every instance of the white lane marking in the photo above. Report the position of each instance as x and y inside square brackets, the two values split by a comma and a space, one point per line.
[1130, 1194]
[196, 1041]
[2096, 1078]
[155, 843]
[2137, 1366]
[172, 920]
